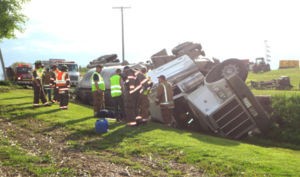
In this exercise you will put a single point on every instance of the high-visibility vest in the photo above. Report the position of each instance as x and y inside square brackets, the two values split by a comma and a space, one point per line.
[146, 92]
[101, 83]
[39, 74]
[115, 87]
[61, 80]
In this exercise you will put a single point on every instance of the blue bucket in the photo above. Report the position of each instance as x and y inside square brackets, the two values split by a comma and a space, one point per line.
[101, 126]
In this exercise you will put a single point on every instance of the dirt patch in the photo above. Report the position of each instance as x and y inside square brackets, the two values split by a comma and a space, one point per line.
[38, 138]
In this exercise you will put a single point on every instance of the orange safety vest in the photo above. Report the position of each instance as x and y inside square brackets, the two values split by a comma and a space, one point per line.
[61, 80]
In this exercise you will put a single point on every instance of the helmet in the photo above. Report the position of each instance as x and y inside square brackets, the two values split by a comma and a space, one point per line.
[38, 62]
[53, 66]
[64, 67]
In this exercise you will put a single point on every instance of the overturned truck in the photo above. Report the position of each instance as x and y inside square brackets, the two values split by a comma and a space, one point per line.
[208, 96]
[218, 103]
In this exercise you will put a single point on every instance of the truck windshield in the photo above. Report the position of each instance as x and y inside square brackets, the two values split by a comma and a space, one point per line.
[71, 67]
[23, 69]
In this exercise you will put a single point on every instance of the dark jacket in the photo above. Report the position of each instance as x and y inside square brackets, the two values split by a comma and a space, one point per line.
[164, 95]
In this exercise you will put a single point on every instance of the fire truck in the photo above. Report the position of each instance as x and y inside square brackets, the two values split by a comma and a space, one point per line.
[21, 74]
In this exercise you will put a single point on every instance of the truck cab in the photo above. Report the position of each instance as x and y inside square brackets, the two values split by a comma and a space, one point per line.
[21, 74]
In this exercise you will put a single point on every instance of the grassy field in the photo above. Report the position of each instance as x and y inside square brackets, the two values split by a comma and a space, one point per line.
[293, 73]
[213, 156]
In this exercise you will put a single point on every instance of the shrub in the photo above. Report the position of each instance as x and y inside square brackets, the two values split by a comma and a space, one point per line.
[6, 83]
[287, 127]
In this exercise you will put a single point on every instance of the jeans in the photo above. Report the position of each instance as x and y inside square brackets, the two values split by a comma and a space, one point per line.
[48, 92]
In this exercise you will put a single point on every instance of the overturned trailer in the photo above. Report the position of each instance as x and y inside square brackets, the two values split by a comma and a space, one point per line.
[218, 103]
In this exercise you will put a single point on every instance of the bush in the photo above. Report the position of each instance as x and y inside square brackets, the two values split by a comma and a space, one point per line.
[287, 128]
[6, 83]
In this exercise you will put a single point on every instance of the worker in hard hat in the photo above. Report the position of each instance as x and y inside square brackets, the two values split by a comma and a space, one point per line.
[164, 99]
[143, 99]
[38, 89]
[63, 85]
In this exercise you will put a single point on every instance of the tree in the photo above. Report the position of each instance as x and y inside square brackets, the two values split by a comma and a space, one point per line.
[11, 18]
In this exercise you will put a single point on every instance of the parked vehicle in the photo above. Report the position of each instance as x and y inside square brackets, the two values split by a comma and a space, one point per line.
[72, 68]
[260, 65]
[282, 83]
[21, 74]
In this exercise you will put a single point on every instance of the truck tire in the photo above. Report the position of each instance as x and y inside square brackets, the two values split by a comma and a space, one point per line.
[179, 47]
[226, 69]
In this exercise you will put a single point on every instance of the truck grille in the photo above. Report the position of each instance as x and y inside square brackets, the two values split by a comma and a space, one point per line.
[232, 120]
[74, 78]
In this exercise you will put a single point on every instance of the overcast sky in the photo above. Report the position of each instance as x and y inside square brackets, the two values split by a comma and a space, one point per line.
[84, 30]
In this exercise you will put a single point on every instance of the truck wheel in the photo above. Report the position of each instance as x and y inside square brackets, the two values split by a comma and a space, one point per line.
[226, 69]
[234, 67]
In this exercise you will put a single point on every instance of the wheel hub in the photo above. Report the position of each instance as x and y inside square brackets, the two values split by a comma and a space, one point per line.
[230, 70]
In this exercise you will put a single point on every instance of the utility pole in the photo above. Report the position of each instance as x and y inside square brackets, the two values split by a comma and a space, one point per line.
[122, 23]
[267, 50]
[3, 66]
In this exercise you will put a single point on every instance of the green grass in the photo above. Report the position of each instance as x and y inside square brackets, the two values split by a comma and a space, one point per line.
[214, 156]
[13, 155]
[293, 73]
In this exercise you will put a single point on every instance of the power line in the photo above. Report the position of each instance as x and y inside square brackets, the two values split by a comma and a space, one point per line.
[122, 23]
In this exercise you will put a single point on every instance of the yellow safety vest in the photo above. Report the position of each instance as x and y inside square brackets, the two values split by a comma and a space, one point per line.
[115, 87]
[101, 83]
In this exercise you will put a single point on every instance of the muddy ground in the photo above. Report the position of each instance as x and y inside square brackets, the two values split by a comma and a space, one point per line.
[39, 139]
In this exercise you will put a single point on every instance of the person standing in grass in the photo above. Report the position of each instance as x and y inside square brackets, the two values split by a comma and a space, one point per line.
[54, 73]
[63, 85]
[164, 98]
[46, 79]
[116, 88]
[38, 89]
[98, 88]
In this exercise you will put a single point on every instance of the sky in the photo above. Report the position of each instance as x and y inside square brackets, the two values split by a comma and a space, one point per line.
[81, 31]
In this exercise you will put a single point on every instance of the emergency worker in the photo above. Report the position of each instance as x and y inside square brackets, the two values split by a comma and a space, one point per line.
[116, 88]
[63, 85]
[134, 81]
[164, 98]
[144, 101]
[98, 88]
[46, 80]
[38, 89]
[54, 72]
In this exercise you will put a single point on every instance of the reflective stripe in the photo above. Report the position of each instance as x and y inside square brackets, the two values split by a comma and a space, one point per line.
[166, 97]
[116, 91]
[116, 86]
[138, 117]
[63, 88]
[143, 81]
[134, 90]
[131, 77]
